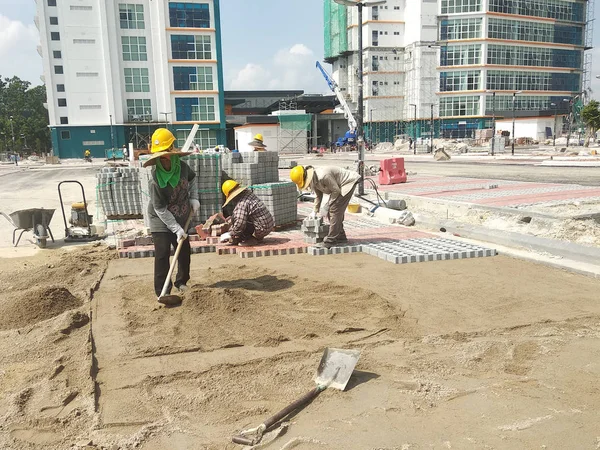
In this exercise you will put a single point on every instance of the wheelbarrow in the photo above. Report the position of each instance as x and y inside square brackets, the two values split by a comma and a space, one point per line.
[34, 219]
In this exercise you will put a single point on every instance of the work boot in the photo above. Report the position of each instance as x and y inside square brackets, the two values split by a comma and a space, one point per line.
[182, 288]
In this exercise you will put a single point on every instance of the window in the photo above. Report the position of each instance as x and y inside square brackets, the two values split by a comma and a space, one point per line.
[193, 78]
[396, 7]
[139, 110]
[195, 109]
[552, 9]
[81, 8]
[374, 63]
[84, 107]
[57, 54]
[53, 20]
[535, 31]
[51, 2]
[460, 81]
[84, 41]
[509, 55]
[204, 138]
[456, 29]
[131, 16]
[137, 80]
[396, 33]
[191, 47]
[90, 143]
[86, 74]
[459, 106]
[62, 102]
[64, 121]
[58, 70]
[189, 15]
[60, 88]
[505, 80]
[55, 36]
[523, 103]
[460, 6]
[134, 48]
[65, 135]
[460, 55]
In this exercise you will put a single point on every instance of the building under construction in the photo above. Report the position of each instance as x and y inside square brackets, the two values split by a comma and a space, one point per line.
[459, 63]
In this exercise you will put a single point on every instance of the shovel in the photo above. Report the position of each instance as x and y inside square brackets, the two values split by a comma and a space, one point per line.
[173, 299]
[335, 369]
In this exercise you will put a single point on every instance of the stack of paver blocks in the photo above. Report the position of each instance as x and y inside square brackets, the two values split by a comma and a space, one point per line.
[280, 199]
[314, 230]
[251, 168]
[208, 183]
[119, 192]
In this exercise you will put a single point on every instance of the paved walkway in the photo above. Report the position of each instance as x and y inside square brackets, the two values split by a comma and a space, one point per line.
[493, 192]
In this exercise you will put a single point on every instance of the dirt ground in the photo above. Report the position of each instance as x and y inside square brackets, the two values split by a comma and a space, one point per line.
[492, 353]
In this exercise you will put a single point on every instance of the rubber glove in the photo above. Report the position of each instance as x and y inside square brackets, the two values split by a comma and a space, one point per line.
[181, 235]
[225, 237]
[195, 204]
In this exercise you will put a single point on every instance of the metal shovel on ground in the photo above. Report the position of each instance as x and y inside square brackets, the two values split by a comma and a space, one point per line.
[173, 299]
[335, 369]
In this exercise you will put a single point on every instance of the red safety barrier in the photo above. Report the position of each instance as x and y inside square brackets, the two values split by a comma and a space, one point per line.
[392, 171]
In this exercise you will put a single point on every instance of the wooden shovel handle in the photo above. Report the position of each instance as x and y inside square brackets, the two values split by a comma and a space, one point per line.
[174, 261]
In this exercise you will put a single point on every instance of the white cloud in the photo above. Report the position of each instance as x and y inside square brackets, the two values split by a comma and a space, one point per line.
[18, 52]
[289, 68]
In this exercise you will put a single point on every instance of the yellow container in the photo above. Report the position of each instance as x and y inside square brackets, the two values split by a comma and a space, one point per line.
[353, 208]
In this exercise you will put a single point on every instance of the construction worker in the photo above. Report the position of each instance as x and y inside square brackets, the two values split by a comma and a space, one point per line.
[251, 221]
[339, 184]
[258, 144]
[173, 198]
[125, 152]
[87, 155]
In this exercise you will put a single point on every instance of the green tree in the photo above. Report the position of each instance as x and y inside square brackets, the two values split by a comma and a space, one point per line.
[590, 114]
[29, 116]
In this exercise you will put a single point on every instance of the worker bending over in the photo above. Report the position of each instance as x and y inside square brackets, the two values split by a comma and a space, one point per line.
[172, 199]
[339, 184]
[250, 221]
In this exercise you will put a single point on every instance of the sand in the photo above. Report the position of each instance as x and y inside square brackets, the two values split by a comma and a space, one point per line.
[489, 353]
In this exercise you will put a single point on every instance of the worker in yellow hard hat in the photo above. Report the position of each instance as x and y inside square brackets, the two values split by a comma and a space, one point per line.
[250, 221]
[173, 198]
[258, 143]
[339, 184]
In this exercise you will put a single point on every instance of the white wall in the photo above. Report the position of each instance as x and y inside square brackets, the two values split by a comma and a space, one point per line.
[534, 128]
[245, 134]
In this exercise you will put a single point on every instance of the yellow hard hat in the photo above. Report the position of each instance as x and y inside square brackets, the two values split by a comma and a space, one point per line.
[229, 186]
[258, 137]
[297, 176]
[231, 189]
[162, 139]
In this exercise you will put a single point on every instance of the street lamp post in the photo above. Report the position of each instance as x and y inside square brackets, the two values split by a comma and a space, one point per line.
[431, 128]
[512, 151]
[414, 130]
[359, 116]
[166, 118]
[12, 132]
[554, 129]
[571, 117]
[371, 126]
[493, 118]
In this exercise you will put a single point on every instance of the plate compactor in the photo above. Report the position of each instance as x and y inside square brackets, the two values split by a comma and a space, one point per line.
[79, 227]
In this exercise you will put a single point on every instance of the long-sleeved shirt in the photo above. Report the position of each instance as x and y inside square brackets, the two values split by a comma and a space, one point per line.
[334, 181]
[169, 207]
[250, 210]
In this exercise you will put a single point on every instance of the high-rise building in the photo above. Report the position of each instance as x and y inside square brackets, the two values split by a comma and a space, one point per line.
[460, 62]
[117, 70]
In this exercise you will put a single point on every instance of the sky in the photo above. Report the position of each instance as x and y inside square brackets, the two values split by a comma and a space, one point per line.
[267, 44]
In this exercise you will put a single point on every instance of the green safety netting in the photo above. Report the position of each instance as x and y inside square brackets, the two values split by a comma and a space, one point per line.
[295, 122]
[336, 29]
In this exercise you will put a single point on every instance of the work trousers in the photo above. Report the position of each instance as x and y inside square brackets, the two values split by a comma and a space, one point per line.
[337, 210]
[162, 256]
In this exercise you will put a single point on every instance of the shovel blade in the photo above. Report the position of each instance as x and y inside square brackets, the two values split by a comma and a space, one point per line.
[336, 367]
[170, 300]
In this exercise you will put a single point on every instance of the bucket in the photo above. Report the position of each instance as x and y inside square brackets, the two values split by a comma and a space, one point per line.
[353, 208]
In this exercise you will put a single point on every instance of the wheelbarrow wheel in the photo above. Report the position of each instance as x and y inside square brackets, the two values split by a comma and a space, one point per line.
[41, 238]
[42, 242]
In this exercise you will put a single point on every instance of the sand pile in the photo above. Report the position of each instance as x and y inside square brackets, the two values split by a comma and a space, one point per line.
[250, 310]
[35, 305]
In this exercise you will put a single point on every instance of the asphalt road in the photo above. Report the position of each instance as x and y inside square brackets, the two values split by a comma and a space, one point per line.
[589, 176]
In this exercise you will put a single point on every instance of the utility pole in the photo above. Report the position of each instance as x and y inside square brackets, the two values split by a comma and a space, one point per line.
[12, 132]
[431, 138]
[414, 130]
[513, 124]
[493, 118]
[554, 129]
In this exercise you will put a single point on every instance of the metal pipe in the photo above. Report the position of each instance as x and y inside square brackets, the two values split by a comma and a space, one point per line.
[431, 138]
[359, 118]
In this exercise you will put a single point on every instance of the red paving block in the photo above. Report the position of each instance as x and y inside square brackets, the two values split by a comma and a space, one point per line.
[212, 240]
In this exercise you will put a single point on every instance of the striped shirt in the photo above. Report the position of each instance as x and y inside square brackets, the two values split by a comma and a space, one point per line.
[250, 210]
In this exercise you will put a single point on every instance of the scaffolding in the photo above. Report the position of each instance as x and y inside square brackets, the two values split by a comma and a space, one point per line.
[586, 85]
[336, 34]
[294, 126]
